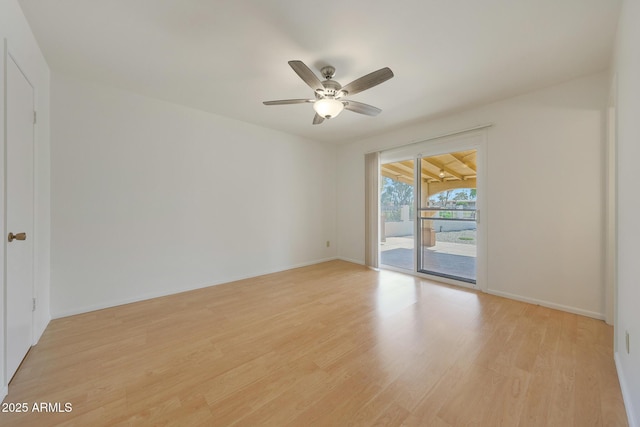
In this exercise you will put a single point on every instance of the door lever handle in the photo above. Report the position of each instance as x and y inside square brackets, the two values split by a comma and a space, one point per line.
[19, 236]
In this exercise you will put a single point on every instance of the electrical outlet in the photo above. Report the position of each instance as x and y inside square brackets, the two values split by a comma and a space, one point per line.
[328, 243]
[626, 340]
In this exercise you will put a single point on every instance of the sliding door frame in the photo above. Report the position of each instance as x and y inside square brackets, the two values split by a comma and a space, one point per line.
[473, 139]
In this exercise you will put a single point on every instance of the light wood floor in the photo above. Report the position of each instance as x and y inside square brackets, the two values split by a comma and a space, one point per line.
[334, 344]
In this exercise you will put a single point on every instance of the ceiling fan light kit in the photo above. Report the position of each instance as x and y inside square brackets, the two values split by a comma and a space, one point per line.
[330, 95]
[328, 107]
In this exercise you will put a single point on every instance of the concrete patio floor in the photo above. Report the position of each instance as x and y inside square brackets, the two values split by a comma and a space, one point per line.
[452, 259]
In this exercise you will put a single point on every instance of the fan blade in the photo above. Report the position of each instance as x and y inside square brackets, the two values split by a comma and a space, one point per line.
[317, 119]
[359, 107]
[307, 75]
[288, 101]
[368, 81]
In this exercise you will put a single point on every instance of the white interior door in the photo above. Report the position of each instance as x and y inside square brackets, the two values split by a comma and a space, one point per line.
[20, 191]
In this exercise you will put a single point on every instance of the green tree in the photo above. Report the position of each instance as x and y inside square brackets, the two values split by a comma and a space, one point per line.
[443, 198]
[396, 193]
[461, 195]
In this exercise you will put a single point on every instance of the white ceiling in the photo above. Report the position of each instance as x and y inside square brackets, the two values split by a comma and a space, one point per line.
[226, 57]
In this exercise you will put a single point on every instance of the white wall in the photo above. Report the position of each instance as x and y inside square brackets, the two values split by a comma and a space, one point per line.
[545, 170]
[627, 68]
[142, 189]
[21, 44]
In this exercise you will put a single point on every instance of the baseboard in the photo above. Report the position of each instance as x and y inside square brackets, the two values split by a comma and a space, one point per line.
[353, 261]
[151, 295]
[626, 397]
[38, 332]
[561, 307]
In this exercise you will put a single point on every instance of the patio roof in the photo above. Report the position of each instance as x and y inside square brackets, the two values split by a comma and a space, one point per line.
[443, 168]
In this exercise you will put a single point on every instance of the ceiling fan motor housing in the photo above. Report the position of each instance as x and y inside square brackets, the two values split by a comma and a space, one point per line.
[331, 87]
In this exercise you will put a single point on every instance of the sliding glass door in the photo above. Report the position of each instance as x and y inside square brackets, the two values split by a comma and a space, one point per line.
[447, 228]
[397, 215]
[429, 209]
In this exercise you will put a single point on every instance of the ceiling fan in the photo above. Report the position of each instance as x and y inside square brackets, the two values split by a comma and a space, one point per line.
[330, 96]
